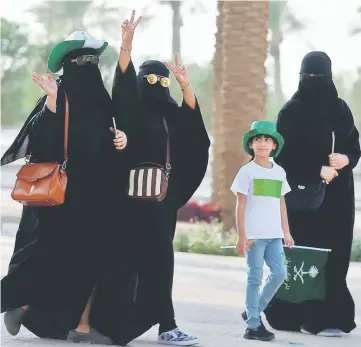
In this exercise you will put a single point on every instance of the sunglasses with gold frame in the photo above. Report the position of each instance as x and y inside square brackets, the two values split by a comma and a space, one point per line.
[153, 79]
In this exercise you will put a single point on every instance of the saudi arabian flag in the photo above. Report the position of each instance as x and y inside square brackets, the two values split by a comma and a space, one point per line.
[305, 274]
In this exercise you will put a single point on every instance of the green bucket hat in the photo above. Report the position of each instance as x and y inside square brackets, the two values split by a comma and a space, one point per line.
[263, 127]
[76, 40]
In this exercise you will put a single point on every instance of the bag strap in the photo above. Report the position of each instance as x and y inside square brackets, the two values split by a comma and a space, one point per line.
[66, 135]
[66, 130]
[167, 165]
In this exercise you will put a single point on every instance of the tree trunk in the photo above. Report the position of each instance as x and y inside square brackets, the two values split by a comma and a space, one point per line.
[177, 24]
[242, 91]
[217, 65]
[275, 53]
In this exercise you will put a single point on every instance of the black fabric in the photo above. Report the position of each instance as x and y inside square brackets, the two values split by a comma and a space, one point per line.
[153, 224]
[62, 252]
[306, 123]
[20, 147]
[154, 92]
[90, 101]
[316, 63]
[167, 325]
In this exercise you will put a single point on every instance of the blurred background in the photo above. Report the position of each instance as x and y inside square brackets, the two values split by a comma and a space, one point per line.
[243, 58]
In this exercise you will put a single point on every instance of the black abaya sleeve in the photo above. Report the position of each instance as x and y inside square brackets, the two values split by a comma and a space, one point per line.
[192, 146]
[353, 150]
[352, 147]
[20, 147]
[126, 99]
[301, 156]
[47, 135]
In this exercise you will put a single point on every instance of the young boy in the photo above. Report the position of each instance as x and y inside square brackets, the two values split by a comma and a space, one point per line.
[262, 223]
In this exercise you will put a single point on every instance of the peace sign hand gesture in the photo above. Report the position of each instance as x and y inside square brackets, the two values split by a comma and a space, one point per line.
[180, 72]
[46, 83]
[128, 28]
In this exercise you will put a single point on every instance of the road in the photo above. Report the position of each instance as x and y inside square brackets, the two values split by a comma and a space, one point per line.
[209, 293]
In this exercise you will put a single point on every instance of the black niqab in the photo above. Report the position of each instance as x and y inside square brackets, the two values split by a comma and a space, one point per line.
[90, 104]
[317, 98]
[317, 63]
[316, 85]
[83, 82]
[154, 92]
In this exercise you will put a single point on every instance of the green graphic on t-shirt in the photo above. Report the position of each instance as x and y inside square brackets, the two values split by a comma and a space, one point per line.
[267, 187]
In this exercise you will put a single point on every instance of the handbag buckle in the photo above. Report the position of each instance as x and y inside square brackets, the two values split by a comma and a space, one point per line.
[64, 165]
[301, 187]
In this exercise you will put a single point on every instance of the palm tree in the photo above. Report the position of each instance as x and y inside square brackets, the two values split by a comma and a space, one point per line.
[217, 75]
[242, 91]
[281, 21]
[192, 6]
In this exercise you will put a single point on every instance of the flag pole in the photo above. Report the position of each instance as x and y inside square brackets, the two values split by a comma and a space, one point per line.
[300, 247]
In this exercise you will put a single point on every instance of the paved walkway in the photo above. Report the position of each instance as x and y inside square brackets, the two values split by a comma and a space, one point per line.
[209, 293]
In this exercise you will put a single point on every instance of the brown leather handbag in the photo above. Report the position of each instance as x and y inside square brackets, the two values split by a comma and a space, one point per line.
[149, 181]
[43, 184]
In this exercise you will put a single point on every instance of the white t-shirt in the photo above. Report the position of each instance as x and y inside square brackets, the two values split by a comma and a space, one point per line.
[264, 188]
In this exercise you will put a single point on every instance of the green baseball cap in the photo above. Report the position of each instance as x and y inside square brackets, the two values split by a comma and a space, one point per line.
[76, 40]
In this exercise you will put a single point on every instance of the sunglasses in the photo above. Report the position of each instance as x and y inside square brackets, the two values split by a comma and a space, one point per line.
[84, 59]
[153, 79]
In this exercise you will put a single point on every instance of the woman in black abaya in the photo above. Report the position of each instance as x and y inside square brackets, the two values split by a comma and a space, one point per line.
[63, 252]
[143, 101]
[306, 122]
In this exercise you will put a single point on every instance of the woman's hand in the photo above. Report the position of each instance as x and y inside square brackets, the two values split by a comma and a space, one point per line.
[328, 173]
[180, 72]
[46, 83]
[120, 140]
[128, 28]
[338, 161]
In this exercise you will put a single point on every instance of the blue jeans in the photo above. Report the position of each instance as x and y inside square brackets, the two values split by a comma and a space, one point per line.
[270, 251]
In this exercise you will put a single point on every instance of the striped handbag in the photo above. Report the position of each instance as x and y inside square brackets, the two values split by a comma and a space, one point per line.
[149, 181]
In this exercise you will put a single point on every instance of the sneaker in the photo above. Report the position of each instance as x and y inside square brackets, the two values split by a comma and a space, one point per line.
[177, 338]
[12, 320]
[93, 337]
[331, 333]
[326, 332]
[260, 334]
[245, 317]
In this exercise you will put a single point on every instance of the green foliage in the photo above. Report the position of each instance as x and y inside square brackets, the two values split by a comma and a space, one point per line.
[203, 238]
[20, 58]
[355, 100]
[356, 250]
[14, 49]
